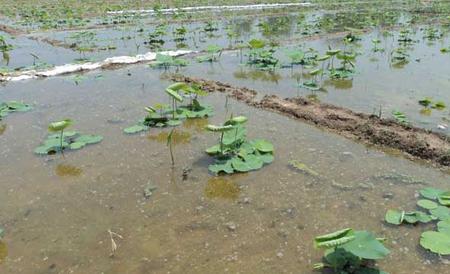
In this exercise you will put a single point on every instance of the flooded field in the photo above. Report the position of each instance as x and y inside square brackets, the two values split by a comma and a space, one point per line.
[136, 193]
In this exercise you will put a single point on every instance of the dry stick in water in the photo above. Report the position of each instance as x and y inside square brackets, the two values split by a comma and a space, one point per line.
[113, 242]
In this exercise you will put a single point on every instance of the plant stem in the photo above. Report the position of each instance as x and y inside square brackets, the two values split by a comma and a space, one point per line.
[171, 153]
[221, 143]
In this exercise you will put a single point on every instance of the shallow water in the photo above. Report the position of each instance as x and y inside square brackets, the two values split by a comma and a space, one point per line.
[56, 211]
[375, 84]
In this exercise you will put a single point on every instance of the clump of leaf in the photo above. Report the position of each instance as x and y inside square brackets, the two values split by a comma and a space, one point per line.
[161, 115]
[61, 141]
[347, 68]
[260, 57]
[235, 153]
[400, 117]
[213, 54]
[167, 61]
[435, 206]
[349, 251]
[13, 106]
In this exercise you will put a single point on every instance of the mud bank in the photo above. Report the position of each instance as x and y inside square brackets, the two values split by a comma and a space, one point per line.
[212, 8]
[72, 68]
[416, 143]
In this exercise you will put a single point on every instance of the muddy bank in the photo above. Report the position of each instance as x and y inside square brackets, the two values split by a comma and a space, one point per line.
[414, 142]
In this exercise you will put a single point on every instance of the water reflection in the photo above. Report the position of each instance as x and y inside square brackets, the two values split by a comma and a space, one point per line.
[261, 75]
[340, 84]
[2, 129]
[3, 251]
[178, 137]
[222, 187]
[196, 124]
[65, 170]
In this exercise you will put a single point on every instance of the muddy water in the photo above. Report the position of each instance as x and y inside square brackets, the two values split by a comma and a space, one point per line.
[56, 211]
[376, 83]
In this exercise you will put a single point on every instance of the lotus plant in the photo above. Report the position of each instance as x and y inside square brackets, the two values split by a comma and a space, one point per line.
[59, 127]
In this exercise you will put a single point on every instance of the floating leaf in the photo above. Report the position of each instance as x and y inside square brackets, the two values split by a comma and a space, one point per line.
[77, 145]
[221, 166]
[441, 212]
[444, 226]
[134, 129]
[444, 198]
[427, 204]
[263, 145]
[394, 217]
[89, 139]
[431, 193]
[437, 242]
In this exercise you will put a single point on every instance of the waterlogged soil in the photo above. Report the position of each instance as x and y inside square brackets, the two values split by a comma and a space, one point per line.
[56, 211]
[377, 86]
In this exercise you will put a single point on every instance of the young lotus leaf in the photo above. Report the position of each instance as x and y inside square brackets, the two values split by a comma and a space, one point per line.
[214, 128]
[437, 242]
[71, 140]
[221, 166]
[262, 145]
[135, 129]
[366, 246]
[256, 44]
[444, 198]
[172, 93]
[444, 226]
[394, 217]
[417, 216]
[427, 204]
[334, 239]
[431, 193]
[441, 212]
[60, 125]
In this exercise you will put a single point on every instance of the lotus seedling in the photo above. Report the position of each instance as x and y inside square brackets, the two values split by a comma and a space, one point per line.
[349, 251]
[172, 91]
[59, 127]
[235, 153]
[169, 144]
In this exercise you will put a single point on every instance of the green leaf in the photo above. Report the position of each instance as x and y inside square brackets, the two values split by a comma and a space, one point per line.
[221, 166]
[77, 145]
[89, 139]
[444, 198]
[441, 213]
[366, 246]
[263, 145]
[437, 242]
[240, 165]
[393, 217]
[431, 193]
[60, 125]
[444, 226]
[213, 150]
[174, 94]
[427, 204]
[334, 239]
[214, 128]
[173, 123]
[135, 129]
[253, 161]
[267, 158]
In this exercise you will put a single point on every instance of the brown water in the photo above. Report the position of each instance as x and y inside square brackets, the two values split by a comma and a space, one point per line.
[57, 211]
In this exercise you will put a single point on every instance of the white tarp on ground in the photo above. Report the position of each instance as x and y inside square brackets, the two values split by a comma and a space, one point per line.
[214, 8]
[70, 68]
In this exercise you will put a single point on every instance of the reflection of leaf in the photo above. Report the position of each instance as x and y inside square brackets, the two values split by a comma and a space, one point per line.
[304, 168]
[220, 187]
[3, 251]
[67, 170]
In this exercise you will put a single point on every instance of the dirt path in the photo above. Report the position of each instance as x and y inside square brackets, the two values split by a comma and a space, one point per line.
[415, 142]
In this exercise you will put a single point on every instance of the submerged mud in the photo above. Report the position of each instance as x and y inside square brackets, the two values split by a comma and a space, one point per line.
[371, 129]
